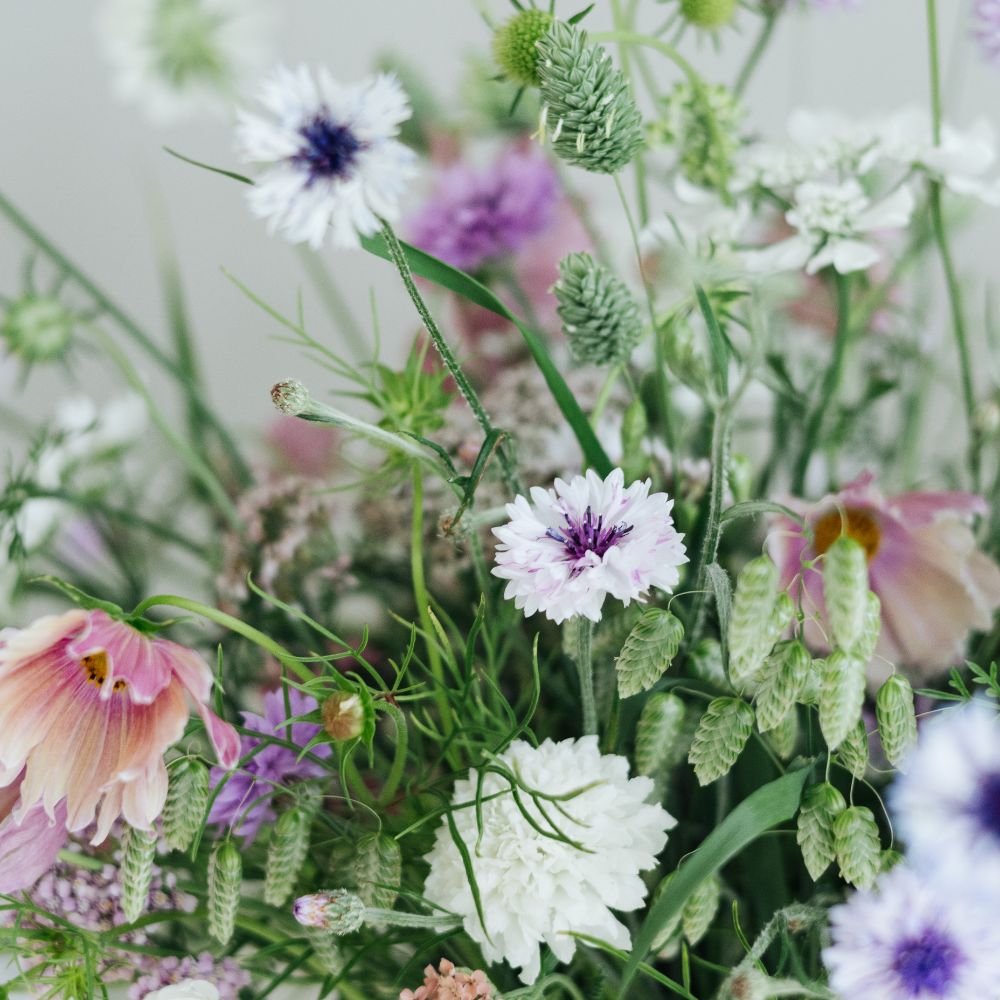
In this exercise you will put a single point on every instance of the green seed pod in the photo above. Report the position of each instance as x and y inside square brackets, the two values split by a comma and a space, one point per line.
[841, 697]
[821, 805]
[658, 733]
[721, 736]
[225, 882]
[853, 750]
[187, 800]
[136, 872]
[588, 106]
[286, 854]
[515, 45]
[750, 620]
[785, 736]
[708, 13]
[705, 662]
[872, 628]
[648, 651]
[897, 722]
[845, 591]
[859, 850]
[599, 315]
[700, 909]
[379, 865]
[780, 683]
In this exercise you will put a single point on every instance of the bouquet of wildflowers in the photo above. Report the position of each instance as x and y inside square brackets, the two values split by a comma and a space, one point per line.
[628, 639]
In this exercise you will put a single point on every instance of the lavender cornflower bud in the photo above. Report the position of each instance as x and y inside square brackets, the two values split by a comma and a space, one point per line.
[290, 396]
[336, 910]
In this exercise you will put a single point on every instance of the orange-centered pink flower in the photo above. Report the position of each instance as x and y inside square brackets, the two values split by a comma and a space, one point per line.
[88, 705]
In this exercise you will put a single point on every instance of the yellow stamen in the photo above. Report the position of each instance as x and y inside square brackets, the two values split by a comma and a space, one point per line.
[95, 666]
[859, 525]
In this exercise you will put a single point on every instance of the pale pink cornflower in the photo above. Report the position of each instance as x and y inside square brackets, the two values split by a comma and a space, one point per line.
[571, 546]
[88, 705]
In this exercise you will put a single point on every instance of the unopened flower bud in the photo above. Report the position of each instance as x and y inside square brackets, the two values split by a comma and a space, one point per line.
[336, 910]
[343, 716]
[37, 328]
[290, 396]
[515, 45]
[708, 13]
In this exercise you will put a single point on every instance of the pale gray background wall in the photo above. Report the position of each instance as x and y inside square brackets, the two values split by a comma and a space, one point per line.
[90, 170]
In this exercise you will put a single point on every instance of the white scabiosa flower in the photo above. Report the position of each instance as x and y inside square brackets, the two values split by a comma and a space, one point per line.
[329, 152]
[914, 938]
[833, 222]
[949, 799]
[535, 886]
[181, 58]
[569, 548]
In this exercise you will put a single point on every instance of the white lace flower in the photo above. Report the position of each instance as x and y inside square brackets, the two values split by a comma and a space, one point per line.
[180, 58]
[833, 221]
[569, 548]
[949, 799]
[534, 886]
[330, 154]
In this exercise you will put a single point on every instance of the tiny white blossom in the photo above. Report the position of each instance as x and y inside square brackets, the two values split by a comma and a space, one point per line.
[329, 153]
[181, 58]
[569, 548]
[536, 886]
[832, 223]
[188, 989]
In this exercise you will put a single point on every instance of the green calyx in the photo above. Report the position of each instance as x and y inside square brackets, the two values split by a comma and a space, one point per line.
[708, 13]
[515, 45]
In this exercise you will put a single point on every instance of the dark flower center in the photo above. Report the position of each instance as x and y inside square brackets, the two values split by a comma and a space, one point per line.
[986, 805]
[927, 965]
[588, 535]
[329, 149]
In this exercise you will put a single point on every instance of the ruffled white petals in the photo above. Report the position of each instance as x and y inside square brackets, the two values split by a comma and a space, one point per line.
[570, 547]
[535, 888]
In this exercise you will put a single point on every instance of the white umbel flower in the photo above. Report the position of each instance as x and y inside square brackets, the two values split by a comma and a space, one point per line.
[569, 548]
[330, 154]
[180, 58]
[833, 222]
[536, 887]
[949, 798]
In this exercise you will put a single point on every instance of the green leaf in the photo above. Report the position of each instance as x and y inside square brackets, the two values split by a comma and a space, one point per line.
[774, 803]
[721, 736]
[716, 342]
[648, 651]
[751, 508]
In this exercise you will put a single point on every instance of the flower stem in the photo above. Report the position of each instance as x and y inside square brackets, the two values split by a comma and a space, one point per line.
[832, 378]
[398, 766]
[464, 386]
[582, 632]
[755, 54]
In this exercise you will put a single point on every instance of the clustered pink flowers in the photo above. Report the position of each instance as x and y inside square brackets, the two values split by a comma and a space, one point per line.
[449, 983]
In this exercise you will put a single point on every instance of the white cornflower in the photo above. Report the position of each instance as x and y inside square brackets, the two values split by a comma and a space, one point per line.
[914, 938]
[330, 154]
[949, 799]
[189, 989]
[181, 58]
[535, 886]
[569, 548]
[833, 221]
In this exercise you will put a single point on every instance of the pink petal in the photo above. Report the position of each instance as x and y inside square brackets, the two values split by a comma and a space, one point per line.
[921, 508]
[30, 847]
[224, 737]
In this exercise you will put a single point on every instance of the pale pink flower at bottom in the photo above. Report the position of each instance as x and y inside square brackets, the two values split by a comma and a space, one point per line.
[88, 705]
[449, 983]
[934, 584]
[27, 848]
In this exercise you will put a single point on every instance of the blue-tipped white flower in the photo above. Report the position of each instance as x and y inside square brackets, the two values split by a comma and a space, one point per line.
[949, 799]
[330, 155]
[569, 548]
[914, 938]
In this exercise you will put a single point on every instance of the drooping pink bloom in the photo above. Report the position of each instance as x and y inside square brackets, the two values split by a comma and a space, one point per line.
[88, 705]
[449, 983]
[934, 584]
[29, 846]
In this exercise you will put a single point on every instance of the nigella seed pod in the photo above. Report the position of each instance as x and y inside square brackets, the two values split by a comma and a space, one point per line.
[658, 733]
[225, 882]
[845, 590]
[587, 105]
[187, 799]
[290, 397]
[859, 850]
[335, 910]
[600, 317]
[343, 716]
[286, 854]
[752, 620]
[841, 696]
[136, 873]
[897, 722]
[515, 45]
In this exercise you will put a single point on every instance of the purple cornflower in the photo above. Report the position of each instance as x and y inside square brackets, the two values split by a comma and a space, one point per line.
[245, 801]
[986, 28]
[477, 215]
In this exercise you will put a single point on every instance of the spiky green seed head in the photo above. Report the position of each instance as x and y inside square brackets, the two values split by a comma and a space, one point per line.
[225, 883]
[600, 317]
[708, 13]
[897, 722]
[753, 621]
[648, 651]
[859, 849]
[589, 112]
[721, 736]
[784, 737]
[286, 854]
[515, 45]
[658, 733]
[853, 752]
[379, 870]
[821, 805]
[845, 591]
[780, 683]
[841, 696]
[700, 909]
[187, 799]
[136, 873]
[37, 328]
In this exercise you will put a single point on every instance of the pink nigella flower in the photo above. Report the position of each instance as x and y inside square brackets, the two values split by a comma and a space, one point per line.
[934, 584]
[88, 705]
[986, 27]
[449, 983]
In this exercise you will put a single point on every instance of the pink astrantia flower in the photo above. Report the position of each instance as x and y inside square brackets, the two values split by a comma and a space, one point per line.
[934, 584]
[449, 983]
[569, 548]
[29, 846]
[88, 705]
